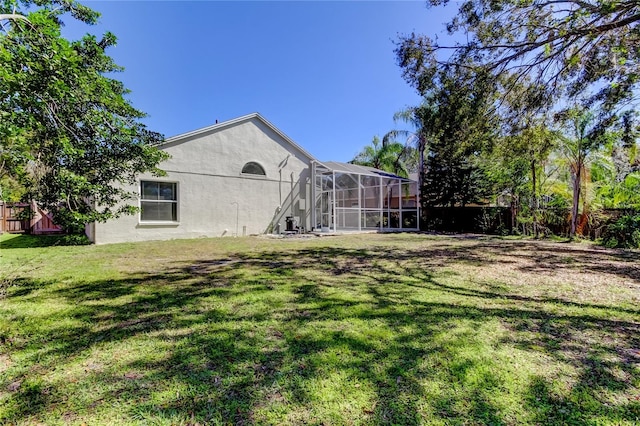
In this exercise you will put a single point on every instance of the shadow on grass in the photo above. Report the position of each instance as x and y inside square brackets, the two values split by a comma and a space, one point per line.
[278, 337]
[19, 241]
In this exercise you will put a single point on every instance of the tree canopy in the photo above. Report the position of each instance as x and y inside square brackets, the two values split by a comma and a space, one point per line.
[388, 156]
[68, 134]
[585, 49]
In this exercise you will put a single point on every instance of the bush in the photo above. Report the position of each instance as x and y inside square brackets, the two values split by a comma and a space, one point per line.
[75, 240]
[489, 221]
[624, 232]
[555, 215]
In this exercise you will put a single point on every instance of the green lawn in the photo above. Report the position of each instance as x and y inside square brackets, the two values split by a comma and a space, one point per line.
[361, 329]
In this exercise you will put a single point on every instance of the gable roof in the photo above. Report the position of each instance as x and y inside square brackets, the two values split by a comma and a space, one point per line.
[248, 117]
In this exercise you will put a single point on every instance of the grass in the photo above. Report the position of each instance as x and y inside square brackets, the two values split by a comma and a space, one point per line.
[361, 329]
[11, 241]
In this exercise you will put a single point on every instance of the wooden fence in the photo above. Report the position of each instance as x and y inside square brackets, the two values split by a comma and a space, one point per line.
[485, 220]
[26, 218]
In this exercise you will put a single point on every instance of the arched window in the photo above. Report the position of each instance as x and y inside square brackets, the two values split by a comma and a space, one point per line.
[253, 168]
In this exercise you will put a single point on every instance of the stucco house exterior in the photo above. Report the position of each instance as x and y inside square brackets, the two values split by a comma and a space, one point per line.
[243, 177]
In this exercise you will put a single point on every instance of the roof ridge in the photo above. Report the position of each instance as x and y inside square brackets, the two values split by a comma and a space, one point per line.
[232, 121]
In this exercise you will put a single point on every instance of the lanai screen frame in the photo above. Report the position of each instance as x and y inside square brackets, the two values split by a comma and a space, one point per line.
[348, 197]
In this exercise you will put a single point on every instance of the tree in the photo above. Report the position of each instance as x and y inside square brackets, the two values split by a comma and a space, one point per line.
[421, 118]
[461, 126]
[389, 157]
[615, 170]
[583, 139]
[521, 158]
[524, 146]
[614, 189]
[573, 48]
[67, 132]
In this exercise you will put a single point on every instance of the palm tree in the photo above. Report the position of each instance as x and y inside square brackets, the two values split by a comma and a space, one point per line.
[616, 176]
[421, 119]
[390, 157]
[584, 139]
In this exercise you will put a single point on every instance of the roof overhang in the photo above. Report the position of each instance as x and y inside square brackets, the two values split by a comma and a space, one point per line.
[219, 126]
[334, 166]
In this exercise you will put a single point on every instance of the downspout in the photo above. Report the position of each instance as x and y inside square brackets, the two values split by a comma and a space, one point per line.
[380, 204]
[359, 203]
[280, 188]
[418, 206]
[314, 218]
[333, 205]
[291, 196]
[400, 225]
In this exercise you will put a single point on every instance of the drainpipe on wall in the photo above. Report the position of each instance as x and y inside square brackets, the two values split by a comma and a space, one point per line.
[280, 187]
[312, 206]
[237, 215]
[291, 196]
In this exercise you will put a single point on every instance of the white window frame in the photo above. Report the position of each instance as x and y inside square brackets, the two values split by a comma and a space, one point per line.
[176, 201]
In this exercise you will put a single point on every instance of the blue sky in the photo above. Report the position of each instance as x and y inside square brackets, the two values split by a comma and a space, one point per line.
[322, 72]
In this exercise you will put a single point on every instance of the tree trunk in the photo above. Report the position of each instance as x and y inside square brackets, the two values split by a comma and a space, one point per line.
[576, 198]
[421, 170]
[513, 214]
[536, 231]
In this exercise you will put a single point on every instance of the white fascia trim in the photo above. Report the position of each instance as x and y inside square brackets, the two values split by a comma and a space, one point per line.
[363, 173]
[247, 117]
[285, 137]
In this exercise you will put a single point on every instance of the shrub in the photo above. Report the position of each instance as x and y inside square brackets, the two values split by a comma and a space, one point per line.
[555, 215]
[75, 240]
[624, 232]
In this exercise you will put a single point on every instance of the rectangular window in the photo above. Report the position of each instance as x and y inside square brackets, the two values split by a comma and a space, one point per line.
[159, 201]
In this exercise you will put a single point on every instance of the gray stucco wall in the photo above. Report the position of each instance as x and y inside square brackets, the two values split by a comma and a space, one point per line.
[207, 169]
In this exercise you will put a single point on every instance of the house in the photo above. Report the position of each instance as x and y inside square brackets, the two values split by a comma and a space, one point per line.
[244, 176]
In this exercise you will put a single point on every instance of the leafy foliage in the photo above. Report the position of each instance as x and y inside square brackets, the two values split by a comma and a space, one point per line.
[519, 161]
[584, 139]
[519, 65]
[67, 132]
[421, 120]
[615, 176]
[625, 232]
[569, 48]
[390, 157]
[462, 126]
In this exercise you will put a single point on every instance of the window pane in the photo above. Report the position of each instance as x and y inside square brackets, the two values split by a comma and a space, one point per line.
[167, 191]
[371, 197]
[153, 211]
[149, 211]
[409, 195]
[167, 211]
[149, 190]
[347, 218]
[327, 182]
[346, 181]
[371, 219]
[253, 169]
[410, 219]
